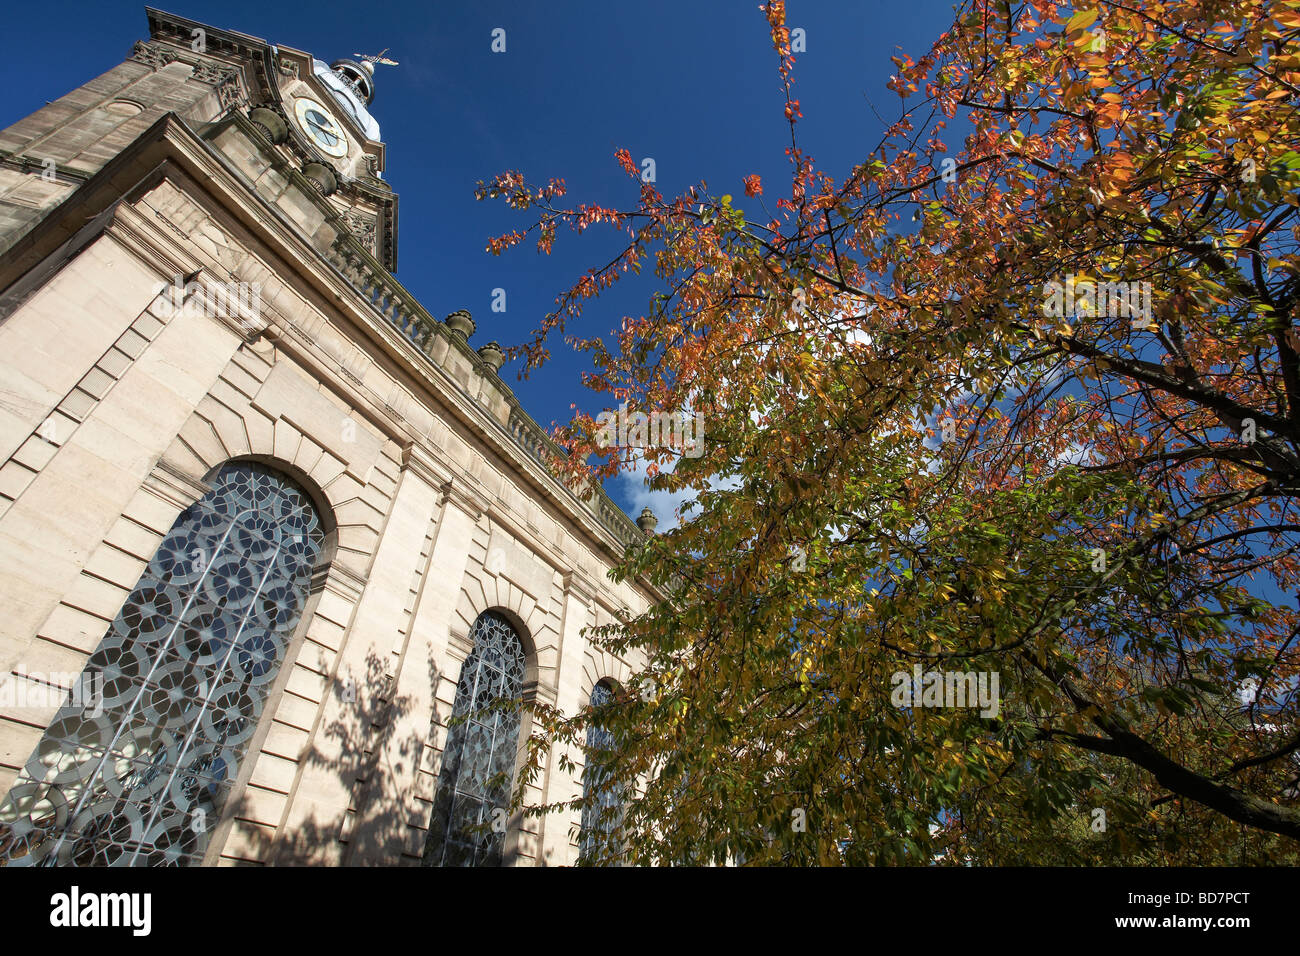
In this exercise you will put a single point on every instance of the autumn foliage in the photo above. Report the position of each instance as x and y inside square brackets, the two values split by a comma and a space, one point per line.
[1098, 506]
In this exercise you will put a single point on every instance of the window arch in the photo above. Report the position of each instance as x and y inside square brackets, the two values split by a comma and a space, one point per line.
[478, 763]
[138, 771]
[601, 801]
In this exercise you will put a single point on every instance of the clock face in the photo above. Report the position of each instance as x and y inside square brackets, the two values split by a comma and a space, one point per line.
[325, 132]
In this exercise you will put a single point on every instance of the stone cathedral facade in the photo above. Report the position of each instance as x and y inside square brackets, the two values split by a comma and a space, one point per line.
[265, 523]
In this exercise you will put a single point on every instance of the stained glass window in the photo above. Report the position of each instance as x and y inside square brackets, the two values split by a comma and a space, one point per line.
[601, 809]
[469, 810]
[139, 773]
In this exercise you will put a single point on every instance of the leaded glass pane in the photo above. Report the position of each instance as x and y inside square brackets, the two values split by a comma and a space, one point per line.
[602, 805]
[140, 774]
[479, 760]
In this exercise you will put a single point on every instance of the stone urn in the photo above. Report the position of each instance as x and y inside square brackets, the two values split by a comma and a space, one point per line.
[461, 321]
[647, 522]
[492, 355]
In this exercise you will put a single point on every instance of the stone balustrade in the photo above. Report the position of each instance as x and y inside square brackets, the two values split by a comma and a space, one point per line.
[401, 310]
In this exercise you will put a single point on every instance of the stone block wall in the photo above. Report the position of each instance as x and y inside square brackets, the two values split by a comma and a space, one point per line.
[117, 408]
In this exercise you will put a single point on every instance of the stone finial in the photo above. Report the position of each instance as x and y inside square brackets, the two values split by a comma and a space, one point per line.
[461, 321]
[492, 355]
[647, 522]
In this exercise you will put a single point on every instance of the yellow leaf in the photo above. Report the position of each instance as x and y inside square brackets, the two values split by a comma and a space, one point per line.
[1081, 20]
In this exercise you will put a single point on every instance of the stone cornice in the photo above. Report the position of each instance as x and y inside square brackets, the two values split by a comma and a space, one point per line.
[27, 164]
[178, 30]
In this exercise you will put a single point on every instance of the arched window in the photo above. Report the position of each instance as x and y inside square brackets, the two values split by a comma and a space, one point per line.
[602, 806]
[138, 774]
[478, 764]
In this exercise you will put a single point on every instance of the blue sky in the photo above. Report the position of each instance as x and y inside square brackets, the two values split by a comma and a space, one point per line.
[691, 84]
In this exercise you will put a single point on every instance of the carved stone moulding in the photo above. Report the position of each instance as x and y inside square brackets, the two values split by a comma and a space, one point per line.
[212, 73]
[228, 94]
[363, 227]
[151, 54]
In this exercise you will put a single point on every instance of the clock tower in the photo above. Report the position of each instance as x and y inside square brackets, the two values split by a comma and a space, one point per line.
[288, 120]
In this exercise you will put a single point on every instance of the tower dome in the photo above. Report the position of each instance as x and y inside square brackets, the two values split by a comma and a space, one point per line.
[359, 76]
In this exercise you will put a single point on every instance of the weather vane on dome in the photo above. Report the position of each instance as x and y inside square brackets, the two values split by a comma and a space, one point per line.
[377, 58]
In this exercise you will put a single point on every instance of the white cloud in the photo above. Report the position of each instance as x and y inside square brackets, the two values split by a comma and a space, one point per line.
[630, 485]
[1077, 454]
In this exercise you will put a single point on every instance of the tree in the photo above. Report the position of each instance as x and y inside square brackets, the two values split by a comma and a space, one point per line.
[1031, 412]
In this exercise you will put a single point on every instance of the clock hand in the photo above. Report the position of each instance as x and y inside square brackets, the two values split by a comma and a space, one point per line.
[328, 134]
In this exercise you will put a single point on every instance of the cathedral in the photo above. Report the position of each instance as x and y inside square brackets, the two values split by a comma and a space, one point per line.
[266, 525]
